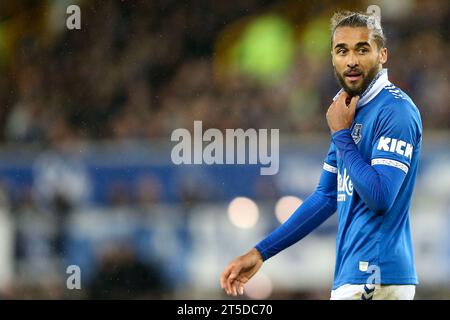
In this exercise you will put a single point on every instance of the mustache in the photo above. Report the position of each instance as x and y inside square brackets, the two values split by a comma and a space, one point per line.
[353, 70]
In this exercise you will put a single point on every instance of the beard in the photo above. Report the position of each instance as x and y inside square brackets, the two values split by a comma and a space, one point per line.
[367, 79]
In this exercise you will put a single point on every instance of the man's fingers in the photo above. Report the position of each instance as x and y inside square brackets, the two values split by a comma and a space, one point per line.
[342, 97]
[228, 284]
[226, 287]
[233, 274]
[241, 289]
[353, 102]
[352, 105]
[234, 286]
[227, 279]
[232, 281]
[342, 101]
[224, 277]
[237, 287]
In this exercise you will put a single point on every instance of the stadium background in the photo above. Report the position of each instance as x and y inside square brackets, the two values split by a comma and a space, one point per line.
[85, 122]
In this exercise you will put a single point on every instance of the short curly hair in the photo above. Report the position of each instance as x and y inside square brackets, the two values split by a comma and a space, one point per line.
[358, 19]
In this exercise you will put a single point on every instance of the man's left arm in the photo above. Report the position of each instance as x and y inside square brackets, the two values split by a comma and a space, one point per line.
[377, 184]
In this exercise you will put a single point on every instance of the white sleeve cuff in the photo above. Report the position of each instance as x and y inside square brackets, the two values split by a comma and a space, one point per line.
[390, 162]
[329, 168]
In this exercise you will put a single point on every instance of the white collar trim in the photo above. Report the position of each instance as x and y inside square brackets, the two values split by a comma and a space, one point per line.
[377, 84]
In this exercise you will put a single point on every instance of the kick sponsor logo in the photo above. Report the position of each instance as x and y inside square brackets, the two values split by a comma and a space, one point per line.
[395, 145]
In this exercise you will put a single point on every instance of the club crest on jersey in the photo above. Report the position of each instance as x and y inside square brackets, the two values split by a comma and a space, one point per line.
[356, 133]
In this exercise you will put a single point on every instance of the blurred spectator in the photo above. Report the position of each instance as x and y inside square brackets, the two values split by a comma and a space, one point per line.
[149, 191]
[155, 66]
[122, 276]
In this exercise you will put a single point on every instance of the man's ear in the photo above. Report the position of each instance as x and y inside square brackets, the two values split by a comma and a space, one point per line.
[383, 55]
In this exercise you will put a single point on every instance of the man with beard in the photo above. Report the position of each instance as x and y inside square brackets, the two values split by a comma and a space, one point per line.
[368, 176]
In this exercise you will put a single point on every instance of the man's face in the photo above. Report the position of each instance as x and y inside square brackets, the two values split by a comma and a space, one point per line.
[356, 58]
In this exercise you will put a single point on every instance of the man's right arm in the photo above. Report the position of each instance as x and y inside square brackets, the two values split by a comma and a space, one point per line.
[317, 208]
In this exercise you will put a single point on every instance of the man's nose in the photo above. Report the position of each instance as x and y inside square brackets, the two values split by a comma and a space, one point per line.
[352, 60]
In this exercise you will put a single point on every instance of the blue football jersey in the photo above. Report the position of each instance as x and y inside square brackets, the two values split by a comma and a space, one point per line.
[387, 130]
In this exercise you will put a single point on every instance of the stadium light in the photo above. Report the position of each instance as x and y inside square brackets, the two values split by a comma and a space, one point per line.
[243, 212]
[286, 206]
[259, 287]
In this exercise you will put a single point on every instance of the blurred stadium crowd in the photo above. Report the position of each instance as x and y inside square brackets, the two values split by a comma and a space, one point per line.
[137, 70]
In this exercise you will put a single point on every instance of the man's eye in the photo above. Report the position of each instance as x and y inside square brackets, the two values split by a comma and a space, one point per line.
[363, 50]
[341, 51]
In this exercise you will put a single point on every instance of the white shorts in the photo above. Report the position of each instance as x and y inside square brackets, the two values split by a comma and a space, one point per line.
[373, 292]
